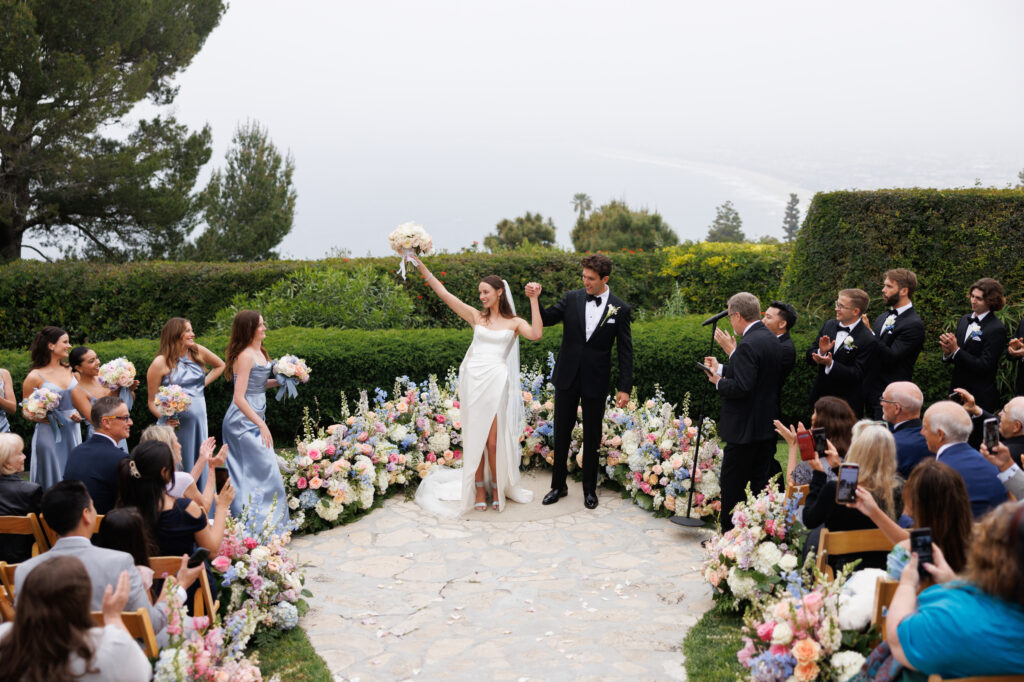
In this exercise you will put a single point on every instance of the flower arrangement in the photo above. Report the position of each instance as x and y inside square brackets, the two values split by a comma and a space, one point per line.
[118, 374]
[42, 404]
[410, 239]
[760, 551]
[290, 371]
[171, 400]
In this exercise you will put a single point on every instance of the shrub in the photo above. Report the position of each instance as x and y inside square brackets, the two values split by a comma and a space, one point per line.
[709, 273]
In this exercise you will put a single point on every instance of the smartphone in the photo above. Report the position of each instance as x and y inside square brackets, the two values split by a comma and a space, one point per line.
[820, 442]
[956, 398]
[806, 443]
[704, 367]
[198, 557]
[220, 477]
[990, 429]
[846, 486]
[921, 543]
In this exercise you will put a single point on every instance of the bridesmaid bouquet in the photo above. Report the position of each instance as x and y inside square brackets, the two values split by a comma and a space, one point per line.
[290, 371]
[171, 400]
[409, 239]
[43, 404]
[118, 374]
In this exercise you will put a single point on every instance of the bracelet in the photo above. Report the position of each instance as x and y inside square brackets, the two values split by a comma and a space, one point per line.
[426, 280]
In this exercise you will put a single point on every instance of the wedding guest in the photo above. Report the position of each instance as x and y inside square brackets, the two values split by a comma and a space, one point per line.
[95, 461]
[942, 630]
[123, 529]
[843, 352]
[183, 362]
[831, 414]
[901, 409]
[1011, 422]
[900, 335]
[53, 636]
[51, 446]
[175, 525]
[17, 497]
[945, 428]
[8, 402]
[975, 348]
[1010, 475]
[747, 388]
[874, 451]
[1016, 351]
[86, 366]
[184, 484]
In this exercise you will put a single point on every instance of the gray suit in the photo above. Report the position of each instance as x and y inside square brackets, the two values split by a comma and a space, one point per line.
[1016, 485]
[104, 566]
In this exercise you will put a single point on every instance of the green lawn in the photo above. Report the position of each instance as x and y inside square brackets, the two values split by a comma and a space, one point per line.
[711, 645]
[292, 657]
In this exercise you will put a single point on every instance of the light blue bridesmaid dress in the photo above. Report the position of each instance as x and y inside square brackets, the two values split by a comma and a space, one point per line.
[123, 444]
[192, 428]
[252, 466]
[5, 426]
[48, 456]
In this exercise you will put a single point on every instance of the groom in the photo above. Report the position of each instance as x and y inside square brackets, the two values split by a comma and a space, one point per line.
[592, 319]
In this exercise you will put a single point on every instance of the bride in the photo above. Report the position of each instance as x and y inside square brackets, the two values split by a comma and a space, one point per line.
[491, 403]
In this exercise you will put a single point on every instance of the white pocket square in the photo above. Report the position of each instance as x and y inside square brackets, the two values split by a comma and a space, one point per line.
[612, 321]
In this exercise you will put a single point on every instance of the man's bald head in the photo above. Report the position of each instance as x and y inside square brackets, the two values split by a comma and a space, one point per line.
[945, 422]
[901, 400]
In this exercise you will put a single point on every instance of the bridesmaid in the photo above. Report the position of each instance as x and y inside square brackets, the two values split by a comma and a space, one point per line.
[8, 404]
[49, 351]
[182, 361]
[252, 463]
[86, 365]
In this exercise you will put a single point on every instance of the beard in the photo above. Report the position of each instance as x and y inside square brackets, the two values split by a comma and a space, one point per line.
[891, 301]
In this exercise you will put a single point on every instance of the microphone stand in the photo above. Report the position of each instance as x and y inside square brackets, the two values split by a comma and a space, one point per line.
[687, 520]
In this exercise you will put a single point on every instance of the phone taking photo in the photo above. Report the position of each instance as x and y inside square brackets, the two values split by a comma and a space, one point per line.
[220, 475]
[990, 431]
[198, 557]
[956, 398]
[704, 367]
[921, 544]
[846, 486]
[820, 441]
[806, 442]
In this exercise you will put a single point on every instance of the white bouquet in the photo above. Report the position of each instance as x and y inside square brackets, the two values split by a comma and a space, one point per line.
[290, 371]
[410, 239]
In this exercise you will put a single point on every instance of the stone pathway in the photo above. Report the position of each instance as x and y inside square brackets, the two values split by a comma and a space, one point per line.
[534, 593]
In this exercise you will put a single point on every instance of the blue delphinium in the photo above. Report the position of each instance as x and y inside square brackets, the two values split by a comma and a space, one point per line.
[308, 499]
[285, 615]
[769, 667]
[379, 396]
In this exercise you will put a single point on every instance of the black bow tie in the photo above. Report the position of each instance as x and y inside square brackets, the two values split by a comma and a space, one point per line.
[595, 299]
[975, 319]
[845, 329]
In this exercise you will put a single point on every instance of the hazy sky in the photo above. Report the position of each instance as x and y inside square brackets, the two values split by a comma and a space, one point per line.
[458, 114]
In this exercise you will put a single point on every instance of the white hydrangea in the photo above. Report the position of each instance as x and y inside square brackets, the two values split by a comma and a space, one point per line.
[329, 511]
[766, 556]
[709, 485]
[398, 432]
[788, 562]
[741, 586]
[636, 462]
[382, 480]
[366, 497]
[439, 442]
[846, 664]
[629, 443]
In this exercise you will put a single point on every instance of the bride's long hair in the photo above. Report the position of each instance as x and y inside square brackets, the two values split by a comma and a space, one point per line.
[504, 308]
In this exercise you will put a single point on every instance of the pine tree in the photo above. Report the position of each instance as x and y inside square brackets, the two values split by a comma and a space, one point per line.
[791, 221]
[727, 226]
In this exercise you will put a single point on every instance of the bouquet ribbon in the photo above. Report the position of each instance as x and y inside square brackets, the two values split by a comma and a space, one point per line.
[124, 394]
[407, 257]
[57, 422]
[288, 387]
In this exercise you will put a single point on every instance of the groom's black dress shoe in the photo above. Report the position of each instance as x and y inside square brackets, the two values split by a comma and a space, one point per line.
[590, 500]
[554, 495]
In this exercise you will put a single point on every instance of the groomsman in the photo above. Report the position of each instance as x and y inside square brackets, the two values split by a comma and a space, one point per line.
[1016, 352]
[975, 348]
[900, 335]
[843, 352]
[747, 387]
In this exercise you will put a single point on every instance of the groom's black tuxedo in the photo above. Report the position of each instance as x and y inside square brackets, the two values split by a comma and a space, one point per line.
[895, 355]
[582, 374]
[591, 359]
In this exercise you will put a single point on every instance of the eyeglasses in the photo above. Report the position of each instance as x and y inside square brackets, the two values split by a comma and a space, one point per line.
[840, 306]
[891, 402]
[125, 418]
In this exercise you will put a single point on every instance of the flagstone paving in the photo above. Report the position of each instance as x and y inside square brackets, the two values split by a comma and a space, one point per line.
[534, 593]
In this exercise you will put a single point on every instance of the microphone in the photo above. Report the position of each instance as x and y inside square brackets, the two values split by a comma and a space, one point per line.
[715, 318]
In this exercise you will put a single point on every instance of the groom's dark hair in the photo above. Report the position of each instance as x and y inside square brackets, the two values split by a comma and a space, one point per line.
[599, 263]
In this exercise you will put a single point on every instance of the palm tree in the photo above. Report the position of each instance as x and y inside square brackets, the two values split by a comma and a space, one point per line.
[581, 203]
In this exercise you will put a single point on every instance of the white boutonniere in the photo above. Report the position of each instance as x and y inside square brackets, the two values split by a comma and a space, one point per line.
[890, 322]
[974, 331]
[848, 343]
[608, 312]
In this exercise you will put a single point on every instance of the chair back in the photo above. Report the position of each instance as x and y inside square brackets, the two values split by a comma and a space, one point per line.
[6, 606]
[139, 626]
[7, 577]
[51, 535]
[792, 489]
[849, 542]
[25, 525]
[203, 604]
[885, 589]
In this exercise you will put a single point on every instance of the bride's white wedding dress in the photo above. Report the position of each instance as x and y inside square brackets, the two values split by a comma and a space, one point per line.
[489, 388]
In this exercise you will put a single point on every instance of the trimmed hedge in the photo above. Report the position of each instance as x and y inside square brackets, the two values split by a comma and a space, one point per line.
[102, 302]
[950, 238]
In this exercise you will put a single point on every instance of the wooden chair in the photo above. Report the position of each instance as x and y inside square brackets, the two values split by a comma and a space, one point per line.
[983, 678]
[7, 577]
[51, 536]
[25, 525]
[203, 605]
[6, 606]
[139, 626]
[792, 489]
[849, 542]
[885, 589]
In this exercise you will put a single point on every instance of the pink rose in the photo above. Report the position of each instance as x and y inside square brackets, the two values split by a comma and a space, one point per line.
[812, 602]
[362, 436]
[778, 649]
[200, 623]
[250, 543]
[455, 403]
[440, 419]
[393, 458]
[458, 454]
[764, 630]
[746, 653]
[331, 450]
[301, 483]
[314, 454]
[221, 563]
[431, 457]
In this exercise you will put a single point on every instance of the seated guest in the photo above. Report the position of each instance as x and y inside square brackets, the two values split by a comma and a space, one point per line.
[70, 513]
[874, 451]
[946, 428]
[17, 497]
[970, 627]
[1011, 423]
[175, 525]
[831, 414]
[976, 346]
[1010, 475]
[901, 408]
[53, 636]
[900, 334]
[184, 484]
[95, 461]
[123, 529]
[843, 352]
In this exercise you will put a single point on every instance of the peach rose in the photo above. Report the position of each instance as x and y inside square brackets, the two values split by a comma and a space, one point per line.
[807, 651]
[805, 672]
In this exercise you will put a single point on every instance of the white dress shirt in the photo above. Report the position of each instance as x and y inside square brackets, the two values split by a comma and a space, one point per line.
[594, 312]
[840, 338]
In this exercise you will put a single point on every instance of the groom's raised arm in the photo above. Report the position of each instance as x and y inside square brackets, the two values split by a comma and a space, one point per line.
[624, 347]
[555, 313]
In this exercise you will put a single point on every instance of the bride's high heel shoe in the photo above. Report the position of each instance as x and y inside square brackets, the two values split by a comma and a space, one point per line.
[480, 506]
[494, 497]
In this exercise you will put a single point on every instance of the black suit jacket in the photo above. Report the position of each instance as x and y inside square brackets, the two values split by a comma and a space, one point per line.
[975, 364]
[17, 498]
[591, 358]
[94, 463]
[849, 366]
[895, 353]
[1018, 387]
[749, 388]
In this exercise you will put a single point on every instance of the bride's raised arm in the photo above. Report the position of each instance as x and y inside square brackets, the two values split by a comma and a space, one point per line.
[463, 310]
[535, 329]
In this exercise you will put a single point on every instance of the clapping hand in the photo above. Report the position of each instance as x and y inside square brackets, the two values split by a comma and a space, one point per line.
[222, 457]
[948, 343]
[788, 433]
[726, 340]
[114, 600]
[825, 344]
[1016, 348]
